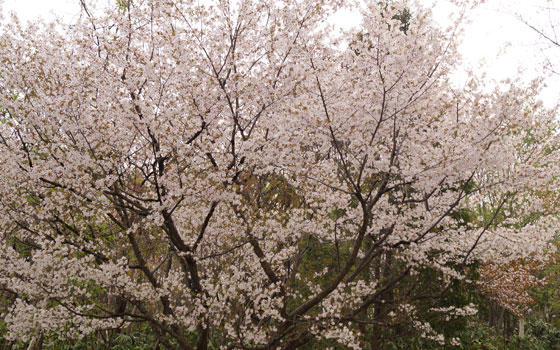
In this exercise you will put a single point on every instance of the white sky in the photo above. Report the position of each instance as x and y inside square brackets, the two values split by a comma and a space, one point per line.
[498, 43]
[32, 9]
[495, 41]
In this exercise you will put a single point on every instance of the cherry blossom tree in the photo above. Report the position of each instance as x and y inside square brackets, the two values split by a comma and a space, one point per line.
[508, 287]
[243, 175]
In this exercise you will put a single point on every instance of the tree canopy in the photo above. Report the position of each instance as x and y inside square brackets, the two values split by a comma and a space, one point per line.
[241, 174]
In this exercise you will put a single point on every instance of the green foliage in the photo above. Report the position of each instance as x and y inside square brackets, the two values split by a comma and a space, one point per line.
[123, 4]
[539, 335]
[539, 330]
[141, 338]
[547, 297]
[404, 17]
[476, 335]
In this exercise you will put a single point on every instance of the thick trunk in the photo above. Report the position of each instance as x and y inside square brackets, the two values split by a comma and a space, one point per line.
[202, 338]
[508, 326]
[384, 271]
[375, 335]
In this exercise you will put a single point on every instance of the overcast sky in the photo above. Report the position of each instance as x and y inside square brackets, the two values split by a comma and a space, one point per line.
[495, 41]
[500, 44]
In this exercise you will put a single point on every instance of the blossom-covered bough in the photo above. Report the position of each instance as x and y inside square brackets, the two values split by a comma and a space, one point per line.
[240, 174]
